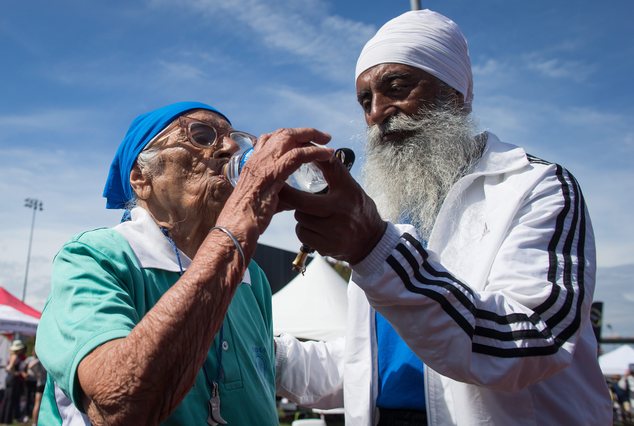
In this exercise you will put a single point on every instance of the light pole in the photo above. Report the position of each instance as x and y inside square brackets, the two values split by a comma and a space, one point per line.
[35, 204]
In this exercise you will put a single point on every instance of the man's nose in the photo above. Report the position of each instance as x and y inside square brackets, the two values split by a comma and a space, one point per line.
[381, 110]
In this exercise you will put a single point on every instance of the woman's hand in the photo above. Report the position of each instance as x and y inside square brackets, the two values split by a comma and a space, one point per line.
[254, 201]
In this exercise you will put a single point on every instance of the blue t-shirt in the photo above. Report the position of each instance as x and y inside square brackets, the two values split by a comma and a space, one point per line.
[401, 377]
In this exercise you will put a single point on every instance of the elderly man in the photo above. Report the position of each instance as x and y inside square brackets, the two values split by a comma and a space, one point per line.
[163, 318]
[488, 278]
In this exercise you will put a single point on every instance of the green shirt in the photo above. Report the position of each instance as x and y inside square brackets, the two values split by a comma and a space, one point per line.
[100, 292]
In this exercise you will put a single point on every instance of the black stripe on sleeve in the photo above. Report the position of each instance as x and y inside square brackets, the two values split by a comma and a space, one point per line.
[552, 247]
[442, 301]
[429, 268]
[513, 334]
[416, 244]
[514, 352]
[572, 328]
[565, 309]
[448, 286]
[536, 160]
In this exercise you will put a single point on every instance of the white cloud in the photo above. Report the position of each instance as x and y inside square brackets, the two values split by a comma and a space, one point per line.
[559, 61]
[551, 63]
[49, 120]
[334, 112]
[592, 118]
[183, 70]
[490, 67]
[326, 43]
[558, 68]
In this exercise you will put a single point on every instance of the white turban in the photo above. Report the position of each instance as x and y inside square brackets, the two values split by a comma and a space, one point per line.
[423, 39]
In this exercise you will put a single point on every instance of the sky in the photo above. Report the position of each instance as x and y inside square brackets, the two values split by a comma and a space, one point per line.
[553, 77]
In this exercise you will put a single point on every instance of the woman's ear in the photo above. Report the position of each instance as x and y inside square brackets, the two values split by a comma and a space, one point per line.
[141, 183]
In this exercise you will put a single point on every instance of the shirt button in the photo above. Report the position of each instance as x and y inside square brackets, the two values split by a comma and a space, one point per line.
[225, 345]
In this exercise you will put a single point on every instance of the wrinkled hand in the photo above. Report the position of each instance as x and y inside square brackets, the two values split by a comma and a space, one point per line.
[344, 223]
[255, 199]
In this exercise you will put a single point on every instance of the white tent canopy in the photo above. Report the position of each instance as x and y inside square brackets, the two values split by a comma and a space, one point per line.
[312, 306]
[16, 316]
[616, 362]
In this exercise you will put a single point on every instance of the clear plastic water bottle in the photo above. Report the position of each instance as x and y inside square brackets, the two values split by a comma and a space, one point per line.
[308, 177]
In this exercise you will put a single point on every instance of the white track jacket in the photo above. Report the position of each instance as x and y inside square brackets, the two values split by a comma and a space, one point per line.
[497, 307]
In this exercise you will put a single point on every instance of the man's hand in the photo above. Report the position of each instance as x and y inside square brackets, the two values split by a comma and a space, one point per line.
[343, 223]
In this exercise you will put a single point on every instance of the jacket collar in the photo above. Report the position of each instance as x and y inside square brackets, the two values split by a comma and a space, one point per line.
[499, 157]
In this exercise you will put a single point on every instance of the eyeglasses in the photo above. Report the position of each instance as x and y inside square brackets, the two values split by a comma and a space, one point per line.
[204, 135]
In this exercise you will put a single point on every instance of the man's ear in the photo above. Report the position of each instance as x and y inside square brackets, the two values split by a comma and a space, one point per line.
[456, 99]
[451, 98]
[459, 103]
[141, 183]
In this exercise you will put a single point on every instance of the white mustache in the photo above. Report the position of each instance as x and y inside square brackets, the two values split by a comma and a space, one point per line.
[399, 123]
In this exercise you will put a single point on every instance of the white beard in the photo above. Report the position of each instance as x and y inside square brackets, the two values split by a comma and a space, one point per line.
[409, 177]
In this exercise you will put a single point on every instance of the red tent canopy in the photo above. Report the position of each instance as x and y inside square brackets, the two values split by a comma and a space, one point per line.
[16, 316]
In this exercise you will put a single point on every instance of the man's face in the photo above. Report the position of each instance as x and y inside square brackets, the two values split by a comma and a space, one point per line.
[420, 142]
[189, 178]
[386, 90]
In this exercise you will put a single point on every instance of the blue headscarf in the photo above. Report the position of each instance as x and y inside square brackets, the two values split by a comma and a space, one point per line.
[118, 190]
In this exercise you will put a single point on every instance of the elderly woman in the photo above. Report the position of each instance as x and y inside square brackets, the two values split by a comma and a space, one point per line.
[163, 318]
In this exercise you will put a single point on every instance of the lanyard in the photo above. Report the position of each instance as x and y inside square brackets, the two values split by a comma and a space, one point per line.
[219, 372]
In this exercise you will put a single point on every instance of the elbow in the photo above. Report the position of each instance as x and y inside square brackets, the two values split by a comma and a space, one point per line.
[116, 390]
[123, 404]
[521, 374]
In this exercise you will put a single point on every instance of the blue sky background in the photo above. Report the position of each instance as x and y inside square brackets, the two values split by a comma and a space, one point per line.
[554, 77]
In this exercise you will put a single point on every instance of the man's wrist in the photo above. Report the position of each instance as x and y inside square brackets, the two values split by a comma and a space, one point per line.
[374, 260]
[370, 244]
